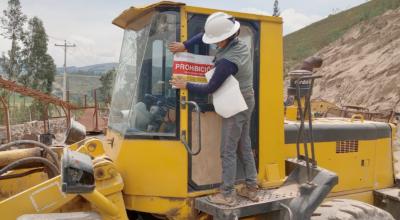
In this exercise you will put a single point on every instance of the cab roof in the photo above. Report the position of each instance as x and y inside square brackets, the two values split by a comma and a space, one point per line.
[137, 17]
[139, 14]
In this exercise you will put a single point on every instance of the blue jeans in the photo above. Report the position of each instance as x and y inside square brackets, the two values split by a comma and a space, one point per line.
[236, 144]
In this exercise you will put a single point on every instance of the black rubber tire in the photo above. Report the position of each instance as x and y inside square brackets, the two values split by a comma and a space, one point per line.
[346, 209]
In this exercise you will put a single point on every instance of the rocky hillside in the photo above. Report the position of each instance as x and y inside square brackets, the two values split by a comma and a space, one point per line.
[363, 66]
[309, 40]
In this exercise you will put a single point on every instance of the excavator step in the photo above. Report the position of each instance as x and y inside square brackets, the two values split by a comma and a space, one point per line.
[296, 199]
[270, 200]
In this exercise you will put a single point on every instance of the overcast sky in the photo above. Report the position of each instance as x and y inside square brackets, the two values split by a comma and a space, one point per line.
[88, 23]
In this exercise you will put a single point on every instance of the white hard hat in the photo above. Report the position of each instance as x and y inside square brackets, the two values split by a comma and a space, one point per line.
[219, 26]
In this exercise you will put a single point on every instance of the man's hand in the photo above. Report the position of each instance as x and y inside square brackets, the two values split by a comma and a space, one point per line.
[178, 83]
[176, 47]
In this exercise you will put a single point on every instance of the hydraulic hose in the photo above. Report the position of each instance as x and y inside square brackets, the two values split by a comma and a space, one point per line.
[52, 154]
[17, 175]
[29, 160]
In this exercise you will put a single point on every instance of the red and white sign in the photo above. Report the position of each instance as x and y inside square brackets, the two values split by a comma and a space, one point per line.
[192, 66]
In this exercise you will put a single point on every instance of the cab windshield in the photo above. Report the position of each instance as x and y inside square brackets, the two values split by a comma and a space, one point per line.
[143, 102]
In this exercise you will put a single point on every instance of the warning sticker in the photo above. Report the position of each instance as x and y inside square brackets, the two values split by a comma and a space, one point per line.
[191, 67]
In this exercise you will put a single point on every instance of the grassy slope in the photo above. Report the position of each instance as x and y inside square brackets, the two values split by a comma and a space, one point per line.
[80, 83]
[307, 41]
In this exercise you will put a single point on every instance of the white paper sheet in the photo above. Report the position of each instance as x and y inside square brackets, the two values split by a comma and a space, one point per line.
[227, 100]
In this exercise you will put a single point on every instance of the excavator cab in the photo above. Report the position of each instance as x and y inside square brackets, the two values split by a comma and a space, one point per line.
[166, 142]
[145, 106]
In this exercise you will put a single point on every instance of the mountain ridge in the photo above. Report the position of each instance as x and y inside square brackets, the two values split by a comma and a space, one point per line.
[95, 69]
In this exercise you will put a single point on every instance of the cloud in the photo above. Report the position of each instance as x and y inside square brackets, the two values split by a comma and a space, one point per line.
[294, 20]
[254, 11]
[82, 40]
[86, 52]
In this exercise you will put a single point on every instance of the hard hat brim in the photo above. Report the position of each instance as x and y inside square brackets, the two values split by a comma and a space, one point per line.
[212, 40]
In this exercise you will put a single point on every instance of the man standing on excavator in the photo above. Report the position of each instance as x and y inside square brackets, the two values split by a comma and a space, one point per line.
[232, 58]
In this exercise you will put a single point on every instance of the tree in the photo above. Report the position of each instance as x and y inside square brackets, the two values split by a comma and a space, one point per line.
[12, 24]
[276, 12]
[107, 81]
[38, 64]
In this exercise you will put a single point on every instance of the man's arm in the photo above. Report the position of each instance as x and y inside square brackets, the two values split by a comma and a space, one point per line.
[223, 69]
[196, 39]
[175, 47]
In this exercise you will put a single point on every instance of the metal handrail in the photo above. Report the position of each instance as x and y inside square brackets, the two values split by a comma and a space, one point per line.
[287, 208]
[183, 137]
[303, 115]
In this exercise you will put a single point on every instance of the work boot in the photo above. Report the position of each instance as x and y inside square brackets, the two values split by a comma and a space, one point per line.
[249, 192]
[222, 199]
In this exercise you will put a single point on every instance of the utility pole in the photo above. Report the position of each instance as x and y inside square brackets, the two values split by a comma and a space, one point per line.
[65, 45]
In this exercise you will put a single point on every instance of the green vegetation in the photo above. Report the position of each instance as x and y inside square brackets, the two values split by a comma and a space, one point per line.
[107, 82]
[79, 86]
[27, 62]
[39, 67]
[307, 41]
[11, 24]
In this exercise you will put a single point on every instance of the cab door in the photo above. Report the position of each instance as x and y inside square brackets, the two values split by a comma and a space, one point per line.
[205, 168]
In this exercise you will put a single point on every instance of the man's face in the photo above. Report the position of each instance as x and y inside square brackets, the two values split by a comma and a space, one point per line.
[222, 44]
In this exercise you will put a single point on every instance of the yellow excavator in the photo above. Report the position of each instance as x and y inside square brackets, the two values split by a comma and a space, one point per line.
[160, 157]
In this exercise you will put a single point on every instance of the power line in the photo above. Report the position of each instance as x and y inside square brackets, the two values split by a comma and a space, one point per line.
[65, 45]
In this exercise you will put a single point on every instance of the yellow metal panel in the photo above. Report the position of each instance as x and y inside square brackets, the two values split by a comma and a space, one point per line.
[348, 166]
[291, 113]
[369, 168]
[384, 164]
[10, 187]
[135, 14]
[113, 144]
[184, 117]
[271, 175]
[173, 208]
[42, 198]
[271, 131]
[366, 197]
[153, 167]
[257, 17]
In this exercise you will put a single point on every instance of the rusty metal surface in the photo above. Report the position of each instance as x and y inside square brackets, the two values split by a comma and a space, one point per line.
[6, 118]
[89, 118]
[15, 87]
[93, 116]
